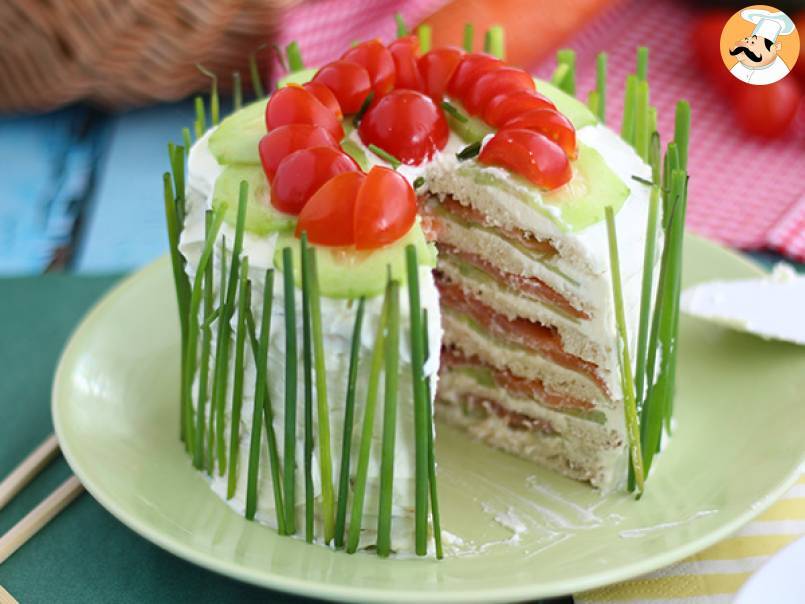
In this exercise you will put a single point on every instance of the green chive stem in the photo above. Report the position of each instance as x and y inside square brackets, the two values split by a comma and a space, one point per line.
[386, 156]
[289, 457]
[356, 120]
[641, 127]
[392, 352]
[601, 85]
[642, 63]
[593, 101]
[402, 29]
[307, 374]
[349, 414]
[453, 111]
[682, 131]
[655, 156]
[630, 408]
[425, 35]
[364, 453]
[254, 73]
[211, 429]
[201, 118]
[420, 406]
[261, 360]
[204, 359]
[567, 56]
[494, 42]
[177, 156]
[295, 62]
[645, 295]
[237, 91]
[244, 303]
[629, 109]
[434, 491]
[469, 37]
[215, 102]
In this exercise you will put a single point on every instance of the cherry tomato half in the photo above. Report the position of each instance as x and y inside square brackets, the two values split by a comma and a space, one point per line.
[301, 173]
[385, 209]
[325, 96]
[506, 106]
[283, 141]
[349, 82]
[767, 111]
[293, 104]
[378, 61]
[404, 51]
[469, 69]
[530, 154]
[437, 67]
[407, 124]
[552, 124]
[328, 216]
[500, 80]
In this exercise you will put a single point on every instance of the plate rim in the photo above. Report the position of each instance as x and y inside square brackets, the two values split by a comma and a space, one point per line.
[327, 591]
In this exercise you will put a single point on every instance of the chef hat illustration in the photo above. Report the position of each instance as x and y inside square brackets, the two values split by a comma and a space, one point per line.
[768, 25]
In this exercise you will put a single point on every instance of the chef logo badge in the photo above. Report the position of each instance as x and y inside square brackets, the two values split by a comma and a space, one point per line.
[759, 45]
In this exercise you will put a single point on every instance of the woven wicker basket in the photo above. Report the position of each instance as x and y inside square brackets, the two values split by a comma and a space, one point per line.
[123, 53]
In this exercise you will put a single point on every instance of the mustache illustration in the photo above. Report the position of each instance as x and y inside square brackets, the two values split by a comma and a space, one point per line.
[743, 49]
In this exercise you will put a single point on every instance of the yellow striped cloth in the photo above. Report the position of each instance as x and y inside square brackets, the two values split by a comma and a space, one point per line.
[715, 575]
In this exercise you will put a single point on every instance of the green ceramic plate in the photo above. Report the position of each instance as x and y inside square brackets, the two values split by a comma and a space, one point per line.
[737, 446]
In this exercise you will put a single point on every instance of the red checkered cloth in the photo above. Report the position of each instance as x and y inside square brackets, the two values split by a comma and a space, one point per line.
[744, 192]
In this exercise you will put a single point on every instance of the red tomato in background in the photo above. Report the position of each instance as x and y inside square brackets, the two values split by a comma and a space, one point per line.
[404, 52]
[378, 61]
[552, 124]
[385, 209]
[325, 97]
[531, 155]
[469, 69]
[407, 124]
[328, 216]
[705, 38]
[301, 173]
[500, 80]
[767, 111]
[506, 106]
[283, 141]
[348, 81]
[295, 105]
[437, 67]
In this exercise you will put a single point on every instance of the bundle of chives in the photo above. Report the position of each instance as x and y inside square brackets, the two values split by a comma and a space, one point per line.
[221, 374]
[260, 394]
[420, 405]
[204, 359]
[349, 413]
[215, 103]
[494, 42]
[200, 124]
[434, 492]
[237, 91]
[627, 383]
[322, 407]
[469, 34]
[307, 375]
[402, 29]
[289, 456]
[564, 77]
[376, 366]
[392, 353]
[254, 73]
[244, 303]
[425, 35]
[220, 310]
[193, 323]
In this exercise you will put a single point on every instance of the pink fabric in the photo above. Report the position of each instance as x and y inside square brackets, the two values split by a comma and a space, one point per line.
[744, 192]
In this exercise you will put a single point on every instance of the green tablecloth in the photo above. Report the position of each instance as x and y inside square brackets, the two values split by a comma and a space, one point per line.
[84, 554]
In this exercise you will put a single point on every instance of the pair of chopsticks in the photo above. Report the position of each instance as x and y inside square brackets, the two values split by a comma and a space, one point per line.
[47, 508]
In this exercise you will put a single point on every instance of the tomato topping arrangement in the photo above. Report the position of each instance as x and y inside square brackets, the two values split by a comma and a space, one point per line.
[396, 97]
[530, 154]
[406, 124]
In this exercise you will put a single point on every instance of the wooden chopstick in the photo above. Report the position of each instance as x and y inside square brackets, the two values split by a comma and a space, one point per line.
[6, 598]
[39, 517]
[30, 467]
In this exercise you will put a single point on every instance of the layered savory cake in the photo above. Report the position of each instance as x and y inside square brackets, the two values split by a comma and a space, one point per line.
[495, 185]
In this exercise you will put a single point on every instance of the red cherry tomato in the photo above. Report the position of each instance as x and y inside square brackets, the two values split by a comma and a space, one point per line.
[378, 61]
[328, 216]
[407, 124]
[531, 155]
[437, 67]
[469, 69]
[767, 111]
[283, 141]
[500, 80]
[705, 37]
[325, 96]
[295, 105]
[385, 209]
[301, 173]
[506, 106]
[403, 51]
[552, 124]
[349, 82]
